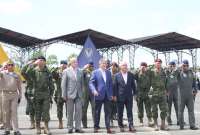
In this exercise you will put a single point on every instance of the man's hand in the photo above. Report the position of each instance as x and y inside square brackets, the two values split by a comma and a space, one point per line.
[114, 98]
[65, 99]
[135, 97]
[95, 93]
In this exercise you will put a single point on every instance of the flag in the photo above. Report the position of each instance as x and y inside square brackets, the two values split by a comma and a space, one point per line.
[4, 58]
[88, 54]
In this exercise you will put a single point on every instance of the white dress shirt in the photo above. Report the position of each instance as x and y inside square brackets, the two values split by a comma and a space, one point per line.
[103, 72]
[124, 75]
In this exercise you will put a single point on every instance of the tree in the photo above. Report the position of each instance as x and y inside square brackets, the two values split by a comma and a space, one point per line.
[52, 61]
[72, 56]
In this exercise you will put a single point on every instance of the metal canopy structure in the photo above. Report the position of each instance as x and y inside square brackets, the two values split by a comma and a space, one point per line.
[168, 42]
[18, 39]
[100, 40]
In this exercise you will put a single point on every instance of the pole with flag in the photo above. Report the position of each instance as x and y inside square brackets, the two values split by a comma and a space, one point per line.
[4, 57]
[88, 54]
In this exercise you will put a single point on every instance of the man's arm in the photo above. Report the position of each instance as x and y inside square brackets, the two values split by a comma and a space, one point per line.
[64, 85]
[92, 84]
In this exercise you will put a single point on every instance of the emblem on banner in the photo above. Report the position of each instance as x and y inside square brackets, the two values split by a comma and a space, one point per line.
[88, 52]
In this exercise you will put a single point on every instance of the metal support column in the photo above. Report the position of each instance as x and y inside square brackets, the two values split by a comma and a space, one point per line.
[167, 57]
[120, 54]
[193, 53]
[132, 49]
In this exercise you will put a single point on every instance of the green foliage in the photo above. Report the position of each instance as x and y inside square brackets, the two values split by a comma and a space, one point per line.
[37, 53]
[52, 61]
[72, 56]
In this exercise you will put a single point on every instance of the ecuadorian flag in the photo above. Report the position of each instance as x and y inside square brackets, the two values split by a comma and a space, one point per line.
[4, 58]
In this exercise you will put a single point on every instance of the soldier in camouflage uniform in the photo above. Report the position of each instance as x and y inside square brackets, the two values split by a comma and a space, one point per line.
[87, 96]
[57, 76]
[44, 88]
[158, 91]
[172, 88]
[143, 87]
[188, 91]
[29, 94]
[114, 69]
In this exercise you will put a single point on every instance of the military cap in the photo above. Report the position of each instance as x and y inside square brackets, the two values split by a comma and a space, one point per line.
[172, 63]
[91, 63]
[143, 64]
[185, 62]
[158, 60]
[63, 62]
[41, 57]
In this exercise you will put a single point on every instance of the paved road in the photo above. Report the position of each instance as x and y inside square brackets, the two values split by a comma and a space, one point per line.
[174, 130]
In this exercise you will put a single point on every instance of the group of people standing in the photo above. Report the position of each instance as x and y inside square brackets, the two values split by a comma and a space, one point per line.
[112, 86]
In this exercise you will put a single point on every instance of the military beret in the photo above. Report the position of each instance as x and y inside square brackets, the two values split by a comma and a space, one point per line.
[172, 63]
[41, 57]
[158, 60]
[143, 64]
[185, 62]
[63, 62]
[91, 63]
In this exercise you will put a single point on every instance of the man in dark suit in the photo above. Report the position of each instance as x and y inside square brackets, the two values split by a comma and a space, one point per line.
[125, 90]
[101, 86]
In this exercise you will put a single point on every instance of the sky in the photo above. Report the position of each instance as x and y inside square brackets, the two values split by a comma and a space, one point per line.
[126, 19]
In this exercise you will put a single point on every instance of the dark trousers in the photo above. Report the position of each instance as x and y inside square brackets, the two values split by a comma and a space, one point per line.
[107, 111]
[120, 107]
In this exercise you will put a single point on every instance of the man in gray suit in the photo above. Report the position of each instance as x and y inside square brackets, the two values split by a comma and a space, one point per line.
[72, 84]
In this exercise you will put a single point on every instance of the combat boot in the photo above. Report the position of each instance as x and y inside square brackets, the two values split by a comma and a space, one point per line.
[32, 125]
[156, 125]
[163, 126]
[141, 122]
[60, 124]
[46, 129]
[150, 122]
[38, 129]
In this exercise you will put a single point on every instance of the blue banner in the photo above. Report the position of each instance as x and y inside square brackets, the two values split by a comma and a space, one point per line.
[88, 54]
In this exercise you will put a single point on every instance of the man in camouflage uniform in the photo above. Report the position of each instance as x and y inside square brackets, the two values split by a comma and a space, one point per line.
[188, 91]
[143, 87]
[87, 96]
[29, 94]
[114, 69]
[172, 88]
[158, 91]
[57, 76]
[44, 88]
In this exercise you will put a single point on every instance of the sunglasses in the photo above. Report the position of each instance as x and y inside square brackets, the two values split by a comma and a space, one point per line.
[10, 64]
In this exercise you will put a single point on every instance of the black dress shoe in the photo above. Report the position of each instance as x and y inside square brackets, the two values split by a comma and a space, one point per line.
[79, 131]
[70, 131]
[194, 128]
[17, 133]
[6, 133]
[181, 127]
[109, 131]
[122, 130]
[132, 129]
[95, 130]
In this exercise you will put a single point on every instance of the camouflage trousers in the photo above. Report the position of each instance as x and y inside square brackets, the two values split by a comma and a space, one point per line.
[42, 107]
[160, 101]
[60, 104]
[86, 100]
[30, 109]
[144, 101]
